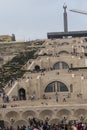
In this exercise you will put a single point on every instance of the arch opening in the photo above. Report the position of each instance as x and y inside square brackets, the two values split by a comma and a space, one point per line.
[22, 94]
[37, 68]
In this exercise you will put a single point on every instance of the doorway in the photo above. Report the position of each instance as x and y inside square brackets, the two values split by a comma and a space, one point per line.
[22, 94]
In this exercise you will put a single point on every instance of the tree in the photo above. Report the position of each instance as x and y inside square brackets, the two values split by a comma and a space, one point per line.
[13, 37]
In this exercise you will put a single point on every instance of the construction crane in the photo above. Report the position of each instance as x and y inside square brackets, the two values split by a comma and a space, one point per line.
[78, 11]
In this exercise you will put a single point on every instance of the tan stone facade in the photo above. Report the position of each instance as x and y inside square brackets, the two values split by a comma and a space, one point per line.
[5, 38]
[55, 85]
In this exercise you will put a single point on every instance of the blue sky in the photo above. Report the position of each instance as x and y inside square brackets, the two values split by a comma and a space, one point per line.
[32, 19]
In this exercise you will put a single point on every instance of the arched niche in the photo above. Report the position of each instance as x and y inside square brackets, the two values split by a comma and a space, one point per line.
[20, 123]
[46, 114]
[63, 113]
[28, 114]
[80, 113]
[12, 114]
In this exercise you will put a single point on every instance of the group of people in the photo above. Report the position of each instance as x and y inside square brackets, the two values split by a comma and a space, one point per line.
[35, 124]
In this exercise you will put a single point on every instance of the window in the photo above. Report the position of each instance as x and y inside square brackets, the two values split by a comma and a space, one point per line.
[56, 66]
[61, 65]
[64, 65]
[50, 88]
[56, 86]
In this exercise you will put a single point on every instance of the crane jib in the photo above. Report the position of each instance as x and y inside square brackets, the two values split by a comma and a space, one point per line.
[78, 11]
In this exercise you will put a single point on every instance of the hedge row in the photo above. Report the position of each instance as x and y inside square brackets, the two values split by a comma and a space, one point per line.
[12, 69]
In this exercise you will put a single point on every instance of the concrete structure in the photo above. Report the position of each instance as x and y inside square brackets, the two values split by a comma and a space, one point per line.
[72, 34]
[54, 86]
